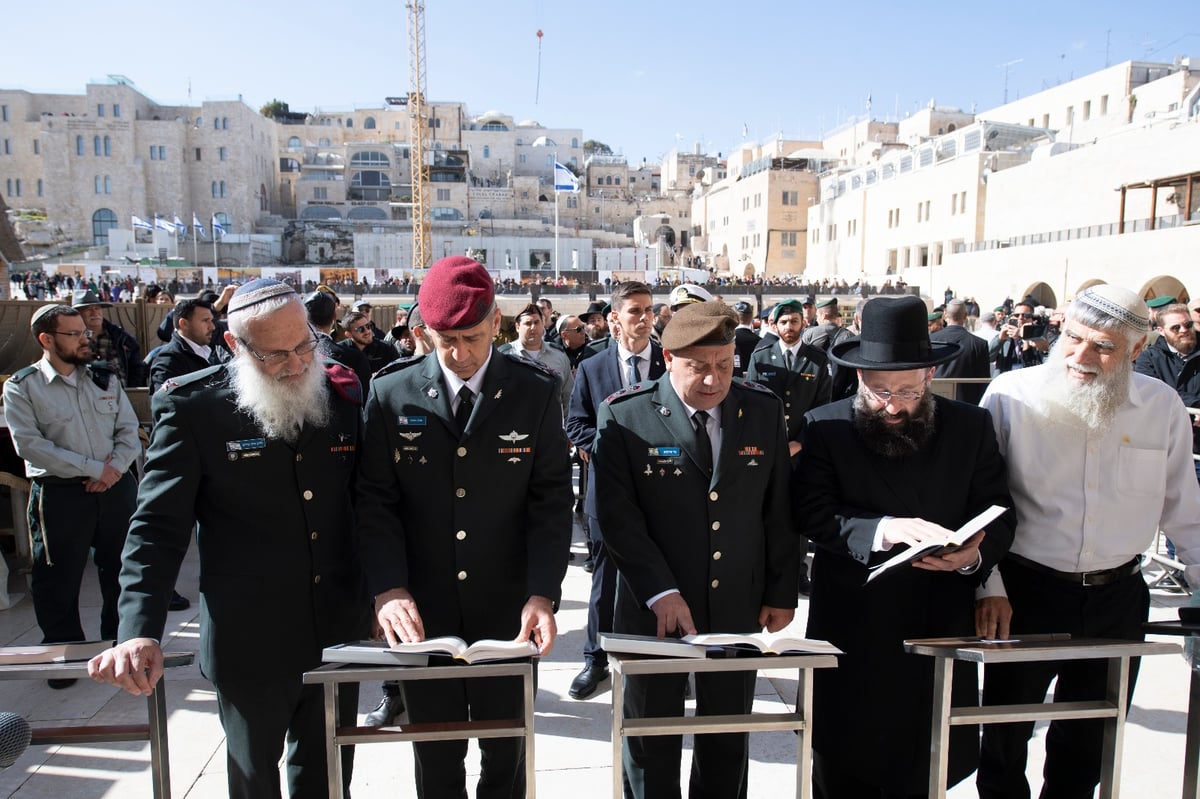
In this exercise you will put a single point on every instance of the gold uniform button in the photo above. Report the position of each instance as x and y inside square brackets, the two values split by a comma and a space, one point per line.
[317, 580]
[462, 452]
[308, 495]
[717, 555]
[716, 526]
[715, 583]
[460, 493]
[462, 576]
[460, 535]
[299, 457]
[712, 495]
[313, 535]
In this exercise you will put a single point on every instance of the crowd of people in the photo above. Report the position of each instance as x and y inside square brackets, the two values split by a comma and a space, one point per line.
[418, 481]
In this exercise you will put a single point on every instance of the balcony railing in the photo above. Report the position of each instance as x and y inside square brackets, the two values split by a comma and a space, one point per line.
[1075, 233]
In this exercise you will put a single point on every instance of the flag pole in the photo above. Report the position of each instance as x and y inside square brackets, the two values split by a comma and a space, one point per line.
[554, 177]
[195, 242]
[213, 223]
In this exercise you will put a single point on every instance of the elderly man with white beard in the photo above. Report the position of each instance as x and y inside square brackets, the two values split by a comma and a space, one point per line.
[1099, 459]
[258, 455]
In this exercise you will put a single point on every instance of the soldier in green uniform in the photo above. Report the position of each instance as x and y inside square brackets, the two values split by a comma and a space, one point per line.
[259, 456]
[693, 471]
[464, 514]
[77, 432]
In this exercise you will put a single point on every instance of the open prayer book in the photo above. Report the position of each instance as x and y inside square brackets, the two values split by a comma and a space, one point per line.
[482, 650]
[51, 653]
[373, 653]
[939, 546]
[693, 646]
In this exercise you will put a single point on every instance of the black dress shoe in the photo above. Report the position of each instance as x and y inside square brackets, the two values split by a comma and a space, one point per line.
[588, 565]
[385, 713]
[178, 602]
[587, 681]
[60, 683]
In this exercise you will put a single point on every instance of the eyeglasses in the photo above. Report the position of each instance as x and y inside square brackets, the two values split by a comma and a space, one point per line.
[359, 330]
[1182, 327]
[277, 357]
[72, 333]
[887, 396]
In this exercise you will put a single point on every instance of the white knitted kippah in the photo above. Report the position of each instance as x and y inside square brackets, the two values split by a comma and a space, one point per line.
[1120, 304]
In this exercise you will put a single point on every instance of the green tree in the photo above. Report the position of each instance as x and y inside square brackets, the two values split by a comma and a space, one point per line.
[275, 108]
[593, 147]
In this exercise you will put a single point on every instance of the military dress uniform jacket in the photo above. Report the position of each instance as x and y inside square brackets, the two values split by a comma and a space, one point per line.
[176, 358]
[279, 576]
[808, 385]
[873, 716]
[727, 543]
[471, 523]
[597, 379]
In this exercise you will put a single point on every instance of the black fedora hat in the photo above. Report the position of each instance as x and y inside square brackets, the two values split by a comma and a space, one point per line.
[895, 337]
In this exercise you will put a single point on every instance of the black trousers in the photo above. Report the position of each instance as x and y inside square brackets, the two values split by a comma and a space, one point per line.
[259, 716]
[832, 782]
[719, 762]
[602, 601]
[440, 770]
[1044, 604]
[67, 525]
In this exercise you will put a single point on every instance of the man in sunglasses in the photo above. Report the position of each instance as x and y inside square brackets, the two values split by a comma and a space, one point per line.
[258, 455]
[360, 334]
[1175, 360]
[77, 432]
[1018, 343]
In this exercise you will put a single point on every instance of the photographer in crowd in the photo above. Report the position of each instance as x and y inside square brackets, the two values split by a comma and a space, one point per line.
[1020, 341]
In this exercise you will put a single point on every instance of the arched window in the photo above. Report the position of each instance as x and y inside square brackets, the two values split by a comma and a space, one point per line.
[608, 181]
[370, 185]
[107, 146]
[103, 221]
[216, 123]
[574, 141]
[96, 145]
[222, 188]
[78, 145]
[369, 158]
[97, 184]
[294, 143]
[618, 181]
[224, 221]
[107, 184]
[487, 153]
[349, 122]
[224, 123]
[214, 189]
[369, 123]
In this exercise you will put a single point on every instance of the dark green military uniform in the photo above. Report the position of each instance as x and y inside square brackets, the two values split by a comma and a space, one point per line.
[279, 576]
[472, 522]
[726, 543]
[806, 386]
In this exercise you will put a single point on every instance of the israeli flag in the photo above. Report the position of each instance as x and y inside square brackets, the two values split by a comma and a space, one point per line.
[180, 228]
[217, 227]
[564, 179]
[163, 224]
[197, 226]
[138, 222]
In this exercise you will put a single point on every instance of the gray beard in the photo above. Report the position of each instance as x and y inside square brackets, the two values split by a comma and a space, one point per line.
[894, 441]
[280, 409]
[1093, 405]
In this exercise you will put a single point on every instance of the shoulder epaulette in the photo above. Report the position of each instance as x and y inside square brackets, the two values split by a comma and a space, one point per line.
[191, 378]
[538, 365]
[398, 364]
[506, 347]
[737, 381]
[632, 391]
[21, 374]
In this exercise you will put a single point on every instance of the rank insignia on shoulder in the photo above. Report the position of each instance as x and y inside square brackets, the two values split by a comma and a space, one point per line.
[432, 393]
[167, 385]
[665, 411]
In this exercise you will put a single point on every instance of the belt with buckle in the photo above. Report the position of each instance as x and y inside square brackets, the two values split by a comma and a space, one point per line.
[1085, 579]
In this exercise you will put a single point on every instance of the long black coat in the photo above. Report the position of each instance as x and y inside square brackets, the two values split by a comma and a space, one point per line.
[472, 524]
[279, 574]
[726, 542]
[972, 361]
[176, 358]
[872, 714]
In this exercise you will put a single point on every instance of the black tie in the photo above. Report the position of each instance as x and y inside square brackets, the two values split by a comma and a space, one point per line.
[703, 442]
[466, 401]
[634, 378]
[787, 357]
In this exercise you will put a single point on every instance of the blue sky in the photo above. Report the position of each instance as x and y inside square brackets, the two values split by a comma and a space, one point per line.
[638, 76]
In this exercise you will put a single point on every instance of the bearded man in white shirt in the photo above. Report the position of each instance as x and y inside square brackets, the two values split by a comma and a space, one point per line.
[1099, 460]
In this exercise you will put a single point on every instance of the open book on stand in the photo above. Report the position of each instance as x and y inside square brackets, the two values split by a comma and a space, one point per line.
[697, 646]
[939, 546]
[417, 653]
[24, 655]
[371, 653]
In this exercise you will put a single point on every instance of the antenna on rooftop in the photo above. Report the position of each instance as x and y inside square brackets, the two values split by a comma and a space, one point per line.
[1005, 66]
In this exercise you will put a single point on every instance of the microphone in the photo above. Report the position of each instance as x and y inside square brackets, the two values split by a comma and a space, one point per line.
[15, 735]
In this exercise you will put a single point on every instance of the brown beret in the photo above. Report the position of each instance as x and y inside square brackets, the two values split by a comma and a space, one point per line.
[458, 293]
[700, 324]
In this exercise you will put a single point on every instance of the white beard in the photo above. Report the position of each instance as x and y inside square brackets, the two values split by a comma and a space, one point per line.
[280, 409]
[1091, 405]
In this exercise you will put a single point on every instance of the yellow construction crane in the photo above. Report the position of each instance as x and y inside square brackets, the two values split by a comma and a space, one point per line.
[418, 126]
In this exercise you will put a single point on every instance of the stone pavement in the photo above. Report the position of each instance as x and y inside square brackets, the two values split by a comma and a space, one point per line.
[573, 749]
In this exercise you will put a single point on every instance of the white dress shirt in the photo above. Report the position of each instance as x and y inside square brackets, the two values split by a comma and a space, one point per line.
[643, 365]
[454, 383]
[1086, 500]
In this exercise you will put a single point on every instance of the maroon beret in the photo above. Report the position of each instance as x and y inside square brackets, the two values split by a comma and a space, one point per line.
[456, 294]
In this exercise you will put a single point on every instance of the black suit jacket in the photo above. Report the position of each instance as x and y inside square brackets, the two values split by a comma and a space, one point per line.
[471, 522]
[727, 541]
[744, 342]
[273, 526]
[840, 492]
[972, 361]
[176, 358]
[808, 385]
[598, 378]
